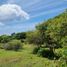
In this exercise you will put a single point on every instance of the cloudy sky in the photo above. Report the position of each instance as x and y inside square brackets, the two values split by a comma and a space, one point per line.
[23, 15]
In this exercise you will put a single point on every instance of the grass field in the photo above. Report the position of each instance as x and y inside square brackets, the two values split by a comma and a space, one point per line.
[24, 58]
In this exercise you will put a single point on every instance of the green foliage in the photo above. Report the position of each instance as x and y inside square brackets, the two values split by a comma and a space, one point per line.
[4, 38]
[1, 45]
[59, 52]
[20, 36]
[62, 62]
[35, 50]
[25, 58]
[54, 31]
[46, 53]
[34, 37]
[64, 41]
[13, 45]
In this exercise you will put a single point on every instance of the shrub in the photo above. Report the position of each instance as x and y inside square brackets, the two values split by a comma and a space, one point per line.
[1, 45]
[5, 38]
[62, 62]
[45, 52]
[59, 52]
[13, 45]
[64, 57]
[35, 50]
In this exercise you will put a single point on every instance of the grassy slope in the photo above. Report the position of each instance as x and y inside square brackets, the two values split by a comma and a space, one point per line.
[23, 58]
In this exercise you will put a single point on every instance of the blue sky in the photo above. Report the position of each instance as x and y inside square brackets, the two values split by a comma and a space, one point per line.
[38, 11]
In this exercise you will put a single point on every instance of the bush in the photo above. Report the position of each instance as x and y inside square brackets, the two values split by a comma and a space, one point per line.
[62, 62]
[1, 45]
[13, 45]
[35, 50]
[64, 56]
[59, 52]
[45, 52]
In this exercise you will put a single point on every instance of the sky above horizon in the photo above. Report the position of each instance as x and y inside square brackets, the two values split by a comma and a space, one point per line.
[24, 15]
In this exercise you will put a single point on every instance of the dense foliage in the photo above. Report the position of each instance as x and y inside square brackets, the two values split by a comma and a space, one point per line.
[20, 36]
[51, 34]
[13, 45]
[54, 31]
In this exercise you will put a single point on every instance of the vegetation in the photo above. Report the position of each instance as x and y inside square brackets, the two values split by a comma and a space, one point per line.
[47, 45]
[13, 45]
[25, 58]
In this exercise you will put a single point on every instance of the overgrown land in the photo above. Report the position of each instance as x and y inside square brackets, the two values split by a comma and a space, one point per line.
[44, 47]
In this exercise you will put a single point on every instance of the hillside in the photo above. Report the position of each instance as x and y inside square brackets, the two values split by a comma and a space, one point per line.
[44, 47]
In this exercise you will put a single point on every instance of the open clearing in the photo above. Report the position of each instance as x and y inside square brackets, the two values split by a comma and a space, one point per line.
[23, 58]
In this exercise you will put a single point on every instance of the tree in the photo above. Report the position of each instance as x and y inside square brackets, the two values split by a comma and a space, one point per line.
[53, 31]
[34, 38]
[4, 38]
[20, 36]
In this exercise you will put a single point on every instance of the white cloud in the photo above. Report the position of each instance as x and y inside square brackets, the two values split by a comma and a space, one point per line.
[10, 12]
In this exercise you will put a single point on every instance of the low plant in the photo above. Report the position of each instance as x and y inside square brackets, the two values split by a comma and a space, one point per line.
[13, 45]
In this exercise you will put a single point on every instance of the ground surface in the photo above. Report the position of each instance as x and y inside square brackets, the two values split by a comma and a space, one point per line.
[23, 58]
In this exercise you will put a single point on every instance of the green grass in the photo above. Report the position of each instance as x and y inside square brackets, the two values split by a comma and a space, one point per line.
[24, 58]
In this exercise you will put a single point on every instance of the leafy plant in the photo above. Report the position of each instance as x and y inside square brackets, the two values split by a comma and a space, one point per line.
[13, 45]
